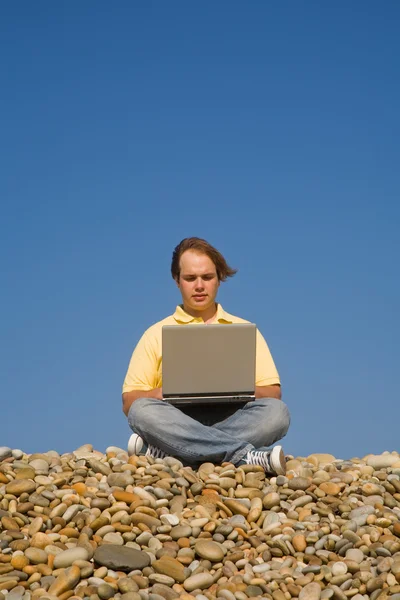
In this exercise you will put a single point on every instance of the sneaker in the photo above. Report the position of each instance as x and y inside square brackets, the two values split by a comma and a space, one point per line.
[273, 461]
[155, 452]
[135, 444]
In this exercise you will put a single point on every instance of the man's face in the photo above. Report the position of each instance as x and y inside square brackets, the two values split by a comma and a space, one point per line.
[198, 281]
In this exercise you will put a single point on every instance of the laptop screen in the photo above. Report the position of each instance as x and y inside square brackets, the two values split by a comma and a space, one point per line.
[208, 360]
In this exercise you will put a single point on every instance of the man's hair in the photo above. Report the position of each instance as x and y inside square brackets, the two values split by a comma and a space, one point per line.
[202, 247]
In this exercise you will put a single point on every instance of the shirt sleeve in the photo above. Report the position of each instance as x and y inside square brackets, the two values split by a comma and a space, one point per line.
[266, 372]
[143, 367]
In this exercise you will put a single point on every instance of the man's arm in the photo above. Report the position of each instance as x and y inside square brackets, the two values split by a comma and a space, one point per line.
[268, 391]
[128, 398]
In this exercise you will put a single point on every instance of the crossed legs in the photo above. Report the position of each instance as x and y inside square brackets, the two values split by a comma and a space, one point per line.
[257, 425]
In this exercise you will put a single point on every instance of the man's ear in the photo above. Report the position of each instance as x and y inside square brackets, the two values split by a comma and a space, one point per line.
[176, 279]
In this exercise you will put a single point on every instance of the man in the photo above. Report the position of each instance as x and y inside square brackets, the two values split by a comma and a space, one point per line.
[238, 435]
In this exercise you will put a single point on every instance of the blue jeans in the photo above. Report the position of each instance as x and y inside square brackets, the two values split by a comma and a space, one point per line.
[256, 425]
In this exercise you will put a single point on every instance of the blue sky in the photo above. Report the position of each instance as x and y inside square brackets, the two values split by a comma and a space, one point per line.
[270, 129]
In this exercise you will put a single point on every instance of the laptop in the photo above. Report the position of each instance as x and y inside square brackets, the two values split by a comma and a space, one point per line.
[205, 364]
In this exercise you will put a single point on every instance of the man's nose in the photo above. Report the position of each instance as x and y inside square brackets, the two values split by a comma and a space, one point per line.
[199, 283]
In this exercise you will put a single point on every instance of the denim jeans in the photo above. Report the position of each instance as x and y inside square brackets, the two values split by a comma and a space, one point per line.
[256, 425]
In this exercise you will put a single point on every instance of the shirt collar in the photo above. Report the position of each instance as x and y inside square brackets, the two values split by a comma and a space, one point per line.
[181, 316]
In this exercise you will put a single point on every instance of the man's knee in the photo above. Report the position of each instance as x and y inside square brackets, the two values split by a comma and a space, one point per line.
[277, 414]
[283, 416]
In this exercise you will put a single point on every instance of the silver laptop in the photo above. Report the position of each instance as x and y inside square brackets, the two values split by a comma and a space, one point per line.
[205, 364]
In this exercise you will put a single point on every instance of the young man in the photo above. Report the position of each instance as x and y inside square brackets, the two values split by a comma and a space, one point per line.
[225, 434]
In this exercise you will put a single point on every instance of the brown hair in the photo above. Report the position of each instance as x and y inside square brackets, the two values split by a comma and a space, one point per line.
[199, 245]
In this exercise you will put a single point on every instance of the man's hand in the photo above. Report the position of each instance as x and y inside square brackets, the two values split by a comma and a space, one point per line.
[128, 398]
[268, 391]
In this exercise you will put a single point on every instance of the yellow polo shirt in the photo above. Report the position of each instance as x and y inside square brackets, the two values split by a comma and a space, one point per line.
[145, 367]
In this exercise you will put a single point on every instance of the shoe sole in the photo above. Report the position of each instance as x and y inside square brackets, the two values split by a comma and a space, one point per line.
[135, 444]
[277, 460]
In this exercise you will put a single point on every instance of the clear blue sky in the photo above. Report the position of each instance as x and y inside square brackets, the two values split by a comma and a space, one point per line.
[270, 129]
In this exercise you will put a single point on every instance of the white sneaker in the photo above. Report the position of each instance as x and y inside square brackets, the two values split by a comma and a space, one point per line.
[272, 461]
[135, 444]
[155, 452]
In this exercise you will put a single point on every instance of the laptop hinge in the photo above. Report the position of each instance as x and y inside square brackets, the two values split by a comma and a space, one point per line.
[209, 395]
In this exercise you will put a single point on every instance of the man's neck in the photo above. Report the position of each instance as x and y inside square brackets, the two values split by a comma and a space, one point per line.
[207, 315]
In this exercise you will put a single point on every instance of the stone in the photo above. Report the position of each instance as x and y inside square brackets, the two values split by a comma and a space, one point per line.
[36, 556]
[311, 591]
[360, 514]
[66, 581]
[382, 461]
[321, 459]
[270, 500]
[16, 593]
[99, 467]
[165, 591]
[180, 531]
[126, 584]
[19, 561]
[355, 554]
[160, 578]
[299, 483]
[209, 550]
[158, 530]
[299, 542]
[5, 452]
[148, 520]
[25, 473]
[40, 466]
[170, 520]
[199, 581]
[68, 557]
[120, 479]
[167, 565]
[20, 486]
[237, 507]
[252, 591]
[114, 538]
[9, 523]
[121, 558]
[330, 488]
[105, 591]
[124, 496]
[339, 568]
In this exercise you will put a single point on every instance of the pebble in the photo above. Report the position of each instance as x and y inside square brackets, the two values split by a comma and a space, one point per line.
[355, 554]
[36, 556]
[382, 461]
[66, 581]
[87, 525]
[20, 486]
[209, 550]
[339, 568]
[180, 531]
[170, 566]
[5, 452]
[68, 557]
[311, 591]
[105, 591]
[199, 581]
[121, 558]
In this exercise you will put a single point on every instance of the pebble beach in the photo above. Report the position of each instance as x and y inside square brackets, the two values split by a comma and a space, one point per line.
[91, 525]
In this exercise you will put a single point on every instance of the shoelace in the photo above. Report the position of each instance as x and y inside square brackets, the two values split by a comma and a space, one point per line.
[258, 458]
[155, 452]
